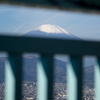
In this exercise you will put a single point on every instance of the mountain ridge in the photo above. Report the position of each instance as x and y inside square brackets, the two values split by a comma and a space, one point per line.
[60, 71]
[51, 31]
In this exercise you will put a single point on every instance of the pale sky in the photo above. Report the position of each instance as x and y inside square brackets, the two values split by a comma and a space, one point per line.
[20, 20]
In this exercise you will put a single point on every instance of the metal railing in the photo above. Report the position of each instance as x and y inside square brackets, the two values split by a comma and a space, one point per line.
[16, 46]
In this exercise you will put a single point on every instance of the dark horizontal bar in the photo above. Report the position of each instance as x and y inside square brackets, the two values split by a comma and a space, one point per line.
[48, 46]
[92, 6]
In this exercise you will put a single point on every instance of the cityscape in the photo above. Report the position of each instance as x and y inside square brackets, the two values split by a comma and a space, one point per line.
[29, 82]
[29, 91]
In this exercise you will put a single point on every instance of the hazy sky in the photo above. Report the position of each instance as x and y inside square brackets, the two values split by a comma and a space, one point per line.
[20, 20]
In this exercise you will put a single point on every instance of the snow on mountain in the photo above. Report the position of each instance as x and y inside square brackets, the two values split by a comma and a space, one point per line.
[51, 31]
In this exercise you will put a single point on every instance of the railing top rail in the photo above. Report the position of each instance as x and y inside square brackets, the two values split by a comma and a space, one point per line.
[49, 46]
[90, 6]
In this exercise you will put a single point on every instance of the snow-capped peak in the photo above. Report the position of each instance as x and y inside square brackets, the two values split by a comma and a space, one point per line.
[51, 29]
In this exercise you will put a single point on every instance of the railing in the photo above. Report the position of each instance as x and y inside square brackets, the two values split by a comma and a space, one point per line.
[16, 46]
[91, 6]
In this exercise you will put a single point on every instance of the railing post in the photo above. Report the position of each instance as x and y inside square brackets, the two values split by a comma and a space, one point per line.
[74, 70]
[45, 77]
[13, 76]
[97, 79]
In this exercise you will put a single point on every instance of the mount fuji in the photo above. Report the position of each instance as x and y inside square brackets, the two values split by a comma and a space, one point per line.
[51, 31]
[54, 31]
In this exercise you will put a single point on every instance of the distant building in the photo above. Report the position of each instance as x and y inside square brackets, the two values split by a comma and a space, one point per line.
[86, 98]
[30, 99]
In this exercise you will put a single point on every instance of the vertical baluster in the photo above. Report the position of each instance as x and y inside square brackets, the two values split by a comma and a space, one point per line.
[9, 82]
[45, 78]
[97, 79]
[74, 69]
[13, 76]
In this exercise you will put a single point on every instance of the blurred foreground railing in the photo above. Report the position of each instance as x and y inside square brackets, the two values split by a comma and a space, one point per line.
[16, 46]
